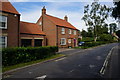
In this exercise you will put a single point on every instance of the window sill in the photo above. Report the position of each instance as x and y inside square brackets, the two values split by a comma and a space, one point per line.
[63, 44]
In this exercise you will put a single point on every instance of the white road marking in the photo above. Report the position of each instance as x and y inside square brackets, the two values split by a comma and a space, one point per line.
[71, 70]
[60, 59]
[91, 66]
[105, 64]
[41, 78]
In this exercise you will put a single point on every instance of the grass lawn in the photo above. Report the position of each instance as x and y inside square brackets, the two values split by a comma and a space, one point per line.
[30, 63]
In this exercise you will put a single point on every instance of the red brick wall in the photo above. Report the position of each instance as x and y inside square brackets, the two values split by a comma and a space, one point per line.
[49, 28]
[53, 33]
[67, 36]
[12, 30]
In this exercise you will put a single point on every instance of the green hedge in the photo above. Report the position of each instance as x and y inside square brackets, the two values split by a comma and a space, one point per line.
[92, 44]
[12, 56]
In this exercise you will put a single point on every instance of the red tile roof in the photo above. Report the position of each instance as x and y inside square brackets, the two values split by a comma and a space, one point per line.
[60, 22]
[7, 7]
[30, 28]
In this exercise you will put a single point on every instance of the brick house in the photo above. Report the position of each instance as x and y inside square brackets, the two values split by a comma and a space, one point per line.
[31, 35]
[58, 32]
[9, 25]
[48, 31]
[14, 33]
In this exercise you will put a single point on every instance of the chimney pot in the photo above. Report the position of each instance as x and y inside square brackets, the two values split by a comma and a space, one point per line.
[44, 10]
[66, 18]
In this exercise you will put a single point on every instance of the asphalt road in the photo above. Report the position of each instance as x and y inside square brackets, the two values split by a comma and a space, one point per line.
[77, 64]
[113, 69]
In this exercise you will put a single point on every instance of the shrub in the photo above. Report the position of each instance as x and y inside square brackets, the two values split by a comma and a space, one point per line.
[92, 44]
[106, 37]
[12, 56]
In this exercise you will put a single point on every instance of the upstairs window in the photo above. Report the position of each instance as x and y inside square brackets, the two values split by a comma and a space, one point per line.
[3, 22]
[3, 42]
[69, 41]
[74, 32]
[63, 41]
[69, 31]
[63, 31]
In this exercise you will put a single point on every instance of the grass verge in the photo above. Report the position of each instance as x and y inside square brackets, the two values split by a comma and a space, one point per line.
[4, 69]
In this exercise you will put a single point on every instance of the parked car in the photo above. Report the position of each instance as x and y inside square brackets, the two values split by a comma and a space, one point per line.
[81, 43]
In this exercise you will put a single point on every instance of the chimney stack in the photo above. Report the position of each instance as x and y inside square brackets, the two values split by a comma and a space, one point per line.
[66, 18]
[44, 10]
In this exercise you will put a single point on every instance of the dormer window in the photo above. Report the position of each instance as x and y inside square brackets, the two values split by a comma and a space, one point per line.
[63, 31]
[69, 31]
[3, 22]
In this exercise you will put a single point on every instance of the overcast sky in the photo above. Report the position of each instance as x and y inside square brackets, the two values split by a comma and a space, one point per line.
[31, 11]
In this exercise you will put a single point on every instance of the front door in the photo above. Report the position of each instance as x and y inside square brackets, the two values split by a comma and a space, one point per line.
[74, 42]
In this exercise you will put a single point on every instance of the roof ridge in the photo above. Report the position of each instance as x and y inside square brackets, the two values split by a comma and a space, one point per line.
[28, 22]
[56, 17]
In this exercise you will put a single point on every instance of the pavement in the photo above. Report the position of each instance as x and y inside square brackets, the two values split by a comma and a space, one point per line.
[77, 64]
[113, 69]
[65, 49]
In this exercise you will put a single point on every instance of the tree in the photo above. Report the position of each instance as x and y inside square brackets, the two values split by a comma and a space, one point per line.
[113, 27]
[118, 33]
[116, 10]
[84, 33]
[106, 37]
[95, 16]
[105, 29]
[90, 32]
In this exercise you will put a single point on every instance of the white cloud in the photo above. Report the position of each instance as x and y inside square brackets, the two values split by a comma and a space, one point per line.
[74, 17]
[53, 9]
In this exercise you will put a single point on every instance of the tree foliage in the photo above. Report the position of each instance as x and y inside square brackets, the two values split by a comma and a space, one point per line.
[116, 10]
[118, 33]
[84, 33]
[113, 27]
[90, 32]
[95, 16]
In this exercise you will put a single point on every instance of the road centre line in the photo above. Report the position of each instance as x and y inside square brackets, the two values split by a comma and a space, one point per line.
[41, 77]
[105, 64]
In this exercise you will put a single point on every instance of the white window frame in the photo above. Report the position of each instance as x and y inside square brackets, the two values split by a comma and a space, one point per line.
[62, 42]
[1, 27]
[70, 31]
[63, 31]
[3, 42]
[74, 32]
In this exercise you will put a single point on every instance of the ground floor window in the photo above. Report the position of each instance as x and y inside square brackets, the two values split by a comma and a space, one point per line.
[63, 41]
[3, 41]
[37, 42]
[26, 42]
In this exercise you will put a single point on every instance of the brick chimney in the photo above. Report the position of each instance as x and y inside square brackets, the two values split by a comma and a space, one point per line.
[66, 18]
[44, 10]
